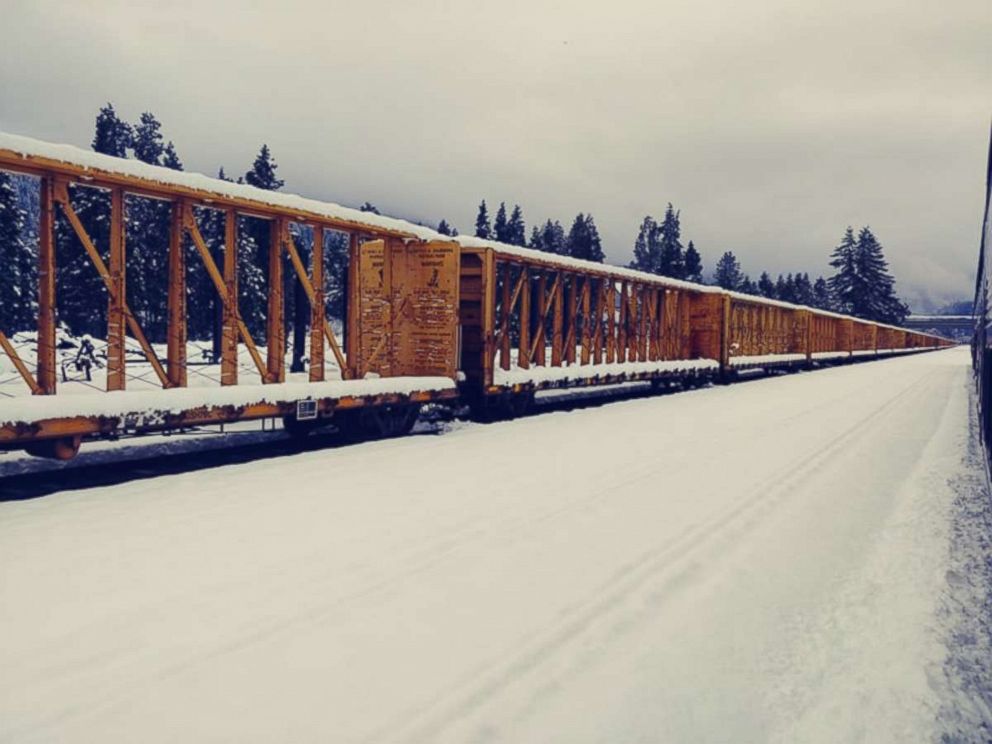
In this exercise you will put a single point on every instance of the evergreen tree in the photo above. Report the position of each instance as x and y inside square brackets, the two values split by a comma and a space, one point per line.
[821, 294]
[693, 269]
[728, 272]
[583, 239]
[366, 206]
[500, 225]
[113, 134]
[553, 239]
[671, 261]
[784, 289]
[147, 141]
[877, 299]
[536, 239]
[747, 286]
[16, 299]
[263, 174]
[844, 285]
[802, 290]
[444, 228]
[170, 159]
[515, 228]
[482, 227]
[647, 251]
[766, 287]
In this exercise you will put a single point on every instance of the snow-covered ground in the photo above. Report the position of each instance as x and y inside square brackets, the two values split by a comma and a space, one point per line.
[794, 559]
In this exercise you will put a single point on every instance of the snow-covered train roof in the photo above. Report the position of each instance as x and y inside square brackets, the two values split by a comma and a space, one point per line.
[27, 147]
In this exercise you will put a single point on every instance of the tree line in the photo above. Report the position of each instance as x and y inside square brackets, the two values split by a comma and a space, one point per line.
[862, 285]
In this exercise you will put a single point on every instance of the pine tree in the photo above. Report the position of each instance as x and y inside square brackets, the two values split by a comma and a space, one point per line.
[515, 228]
[766, 287]
[671, 261]
[845, 285]
[876, 299]
[366, 206]
[147, 141]
[536, 239]
[784, 289]
[802, 290]
[647, 251]
[693, 269]
[170, 159]
[822, 297]
[728, 272]
[482, 228]
[113, 134]
[444, 228]
[583, 239]
[747, 286]
[500, 225]
[263, 173]
[553, 239]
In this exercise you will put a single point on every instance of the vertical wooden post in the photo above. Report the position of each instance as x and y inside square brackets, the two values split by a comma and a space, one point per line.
[539, 332]
[597, 333]
[488, 314]
[115, 309]
[611, 322]
[622, 325]
[229, 332]
[46, 290]
[586, 319]
[176, 333]
[523, 350]
[275, 333]
[642, 328]
[556, 322]
[317, 308]
[573, 310]
[506, 314]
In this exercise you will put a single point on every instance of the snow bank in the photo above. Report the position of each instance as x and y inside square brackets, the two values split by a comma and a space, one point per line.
[176, 400]
[539, 375]
[744, 361]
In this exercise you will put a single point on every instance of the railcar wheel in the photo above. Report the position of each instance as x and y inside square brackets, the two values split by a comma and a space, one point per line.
[63, 448]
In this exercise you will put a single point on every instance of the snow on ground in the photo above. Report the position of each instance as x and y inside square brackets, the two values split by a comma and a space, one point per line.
[777, 560]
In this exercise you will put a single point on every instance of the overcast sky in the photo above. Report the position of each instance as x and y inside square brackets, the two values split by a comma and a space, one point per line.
[771, 125]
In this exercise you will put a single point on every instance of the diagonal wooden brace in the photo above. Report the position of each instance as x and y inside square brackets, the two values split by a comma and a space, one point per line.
[61, 197]
[189, 223]
[19, 364]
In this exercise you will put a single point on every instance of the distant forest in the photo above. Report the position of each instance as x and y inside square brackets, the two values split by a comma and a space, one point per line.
[861, 285]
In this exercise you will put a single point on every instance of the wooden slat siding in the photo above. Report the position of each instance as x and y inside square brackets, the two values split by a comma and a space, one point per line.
[557, 321]
[642, 328]
[318, 308]
[229, 312]
[657, 305]
[19, 365]
[611, 321]
[586, 321]
[228, 298]
[275, 334]
[622, 324]
[543, 305]
[46, 289]
[289, 243]
[116, 338]
[573, 311]
[523, 341]
[176, 332]
[725, 310]
[61, 197]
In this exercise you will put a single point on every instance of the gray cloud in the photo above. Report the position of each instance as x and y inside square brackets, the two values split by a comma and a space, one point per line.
[771, 125]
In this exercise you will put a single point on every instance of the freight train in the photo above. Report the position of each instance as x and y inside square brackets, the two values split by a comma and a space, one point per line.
[429, 318]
